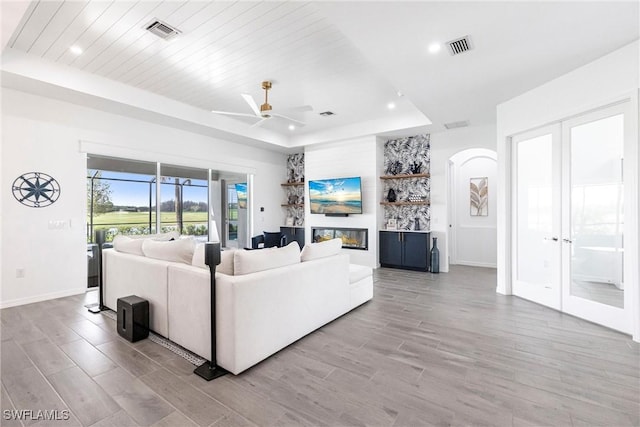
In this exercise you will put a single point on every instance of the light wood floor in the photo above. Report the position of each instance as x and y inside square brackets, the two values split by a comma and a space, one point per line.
[428, 350]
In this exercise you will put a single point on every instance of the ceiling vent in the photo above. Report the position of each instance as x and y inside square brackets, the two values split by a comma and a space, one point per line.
[162, 29]
[458, 46]
[460, 124]
[327, 113]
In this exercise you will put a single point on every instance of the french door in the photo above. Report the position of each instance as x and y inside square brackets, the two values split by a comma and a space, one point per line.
[569, 216]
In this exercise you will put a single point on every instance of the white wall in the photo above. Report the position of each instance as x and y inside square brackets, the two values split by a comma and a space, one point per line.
[358, 157]
[611, 78]
[443, 146]
[472, 238]
[46, 135]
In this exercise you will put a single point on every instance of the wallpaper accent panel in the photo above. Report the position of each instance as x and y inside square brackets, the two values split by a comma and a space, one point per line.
[407, 156]
[295, 193]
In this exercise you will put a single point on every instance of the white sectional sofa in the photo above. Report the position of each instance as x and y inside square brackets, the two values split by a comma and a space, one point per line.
[265, 299]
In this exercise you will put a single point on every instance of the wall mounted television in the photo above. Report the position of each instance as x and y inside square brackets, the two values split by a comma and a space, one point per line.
[241, 191]
[337, 196]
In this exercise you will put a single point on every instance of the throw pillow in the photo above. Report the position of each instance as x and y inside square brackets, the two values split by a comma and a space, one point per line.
[127, 245]
[245, 262]
[327, 248]
[180, 250]
[226, 260]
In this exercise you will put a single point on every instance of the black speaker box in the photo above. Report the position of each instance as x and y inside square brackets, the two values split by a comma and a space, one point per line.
[133, 318]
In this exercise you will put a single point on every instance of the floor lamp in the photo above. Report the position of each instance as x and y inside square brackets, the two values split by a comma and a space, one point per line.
[100, 237]
[211, 370]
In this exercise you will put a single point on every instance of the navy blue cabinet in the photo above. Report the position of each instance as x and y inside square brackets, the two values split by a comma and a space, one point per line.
[402, 249]
[294, 233]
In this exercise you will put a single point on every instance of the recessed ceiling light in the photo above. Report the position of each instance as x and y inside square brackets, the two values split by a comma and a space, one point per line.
[434, 47]
[391, 105]
[76, 50]
[292, 127]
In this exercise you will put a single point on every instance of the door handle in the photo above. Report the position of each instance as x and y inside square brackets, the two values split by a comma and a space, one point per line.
[567, 241]
[555, 239]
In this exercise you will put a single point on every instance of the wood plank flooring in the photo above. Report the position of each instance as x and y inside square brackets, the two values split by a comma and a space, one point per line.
[428, 350]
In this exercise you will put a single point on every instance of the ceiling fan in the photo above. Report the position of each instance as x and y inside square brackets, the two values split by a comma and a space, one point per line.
[265, 111]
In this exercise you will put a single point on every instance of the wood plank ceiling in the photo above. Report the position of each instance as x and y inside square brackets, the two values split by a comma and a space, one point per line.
[225, 49]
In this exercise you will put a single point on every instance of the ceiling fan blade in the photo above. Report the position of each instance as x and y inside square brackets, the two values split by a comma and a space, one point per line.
[288, 118]
[259, 122]
[228, 113]
[252, 104]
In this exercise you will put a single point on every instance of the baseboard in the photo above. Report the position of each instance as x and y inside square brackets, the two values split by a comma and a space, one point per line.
[477, 264]
[43, 297]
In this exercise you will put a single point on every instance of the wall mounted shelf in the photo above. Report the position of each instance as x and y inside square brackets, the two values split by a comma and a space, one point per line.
[406, 176]
[291, 184]
[297, 205]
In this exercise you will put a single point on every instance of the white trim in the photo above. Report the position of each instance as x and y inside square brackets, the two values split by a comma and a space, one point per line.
[477, 264]
[42, 297]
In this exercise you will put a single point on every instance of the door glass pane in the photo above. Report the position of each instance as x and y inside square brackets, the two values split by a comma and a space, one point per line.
[232, 216]
[120, 197]
[184, 206]
[597, 211]
[534, 212]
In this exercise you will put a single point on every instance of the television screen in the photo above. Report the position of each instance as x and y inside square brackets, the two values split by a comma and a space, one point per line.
[241, 191]
[335, 196]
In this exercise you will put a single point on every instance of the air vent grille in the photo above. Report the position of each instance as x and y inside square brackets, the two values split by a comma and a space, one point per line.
[162, 29]
[458, 46]
[327, 113]
[460, 124]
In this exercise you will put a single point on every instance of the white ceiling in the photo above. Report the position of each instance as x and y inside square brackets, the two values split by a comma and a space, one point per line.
[347, 57]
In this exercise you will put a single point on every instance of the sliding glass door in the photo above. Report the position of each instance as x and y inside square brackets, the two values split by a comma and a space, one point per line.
[570, 219]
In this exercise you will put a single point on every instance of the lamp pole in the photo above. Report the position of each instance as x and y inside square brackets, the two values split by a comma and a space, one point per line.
[211, 370]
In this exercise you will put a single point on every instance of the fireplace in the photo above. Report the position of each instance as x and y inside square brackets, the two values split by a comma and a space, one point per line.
[352, 238]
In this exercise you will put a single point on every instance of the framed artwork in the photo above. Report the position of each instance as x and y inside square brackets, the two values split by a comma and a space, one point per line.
[392, 224]
[479, 196]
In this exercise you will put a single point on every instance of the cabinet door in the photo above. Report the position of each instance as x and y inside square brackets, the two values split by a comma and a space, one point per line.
[415, 250]
[390, 248]
[299, 235]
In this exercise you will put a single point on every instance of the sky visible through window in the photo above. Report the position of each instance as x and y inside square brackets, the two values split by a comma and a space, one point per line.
[127, 193]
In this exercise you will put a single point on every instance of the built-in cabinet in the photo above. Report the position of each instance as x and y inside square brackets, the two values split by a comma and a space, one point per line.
[405, 227]
[294, 234]
[404, 249]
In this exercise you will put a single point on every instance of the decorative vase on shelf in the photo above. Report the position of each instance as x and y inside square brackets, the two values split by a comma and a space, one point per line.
[416, 225]
[435, 257]
[391, 196]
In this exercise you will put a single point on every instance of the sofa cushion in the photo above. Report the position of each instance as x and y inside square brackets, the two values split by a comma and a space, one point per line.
[226, 260]
[245, 262]
[180, 250]
[327, 248]
[127, 245]
[358, 272]
[164, 237]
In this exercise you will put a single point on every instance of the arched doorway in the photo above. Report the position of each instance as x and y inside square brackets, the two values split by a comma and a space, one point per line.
[472, 191]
